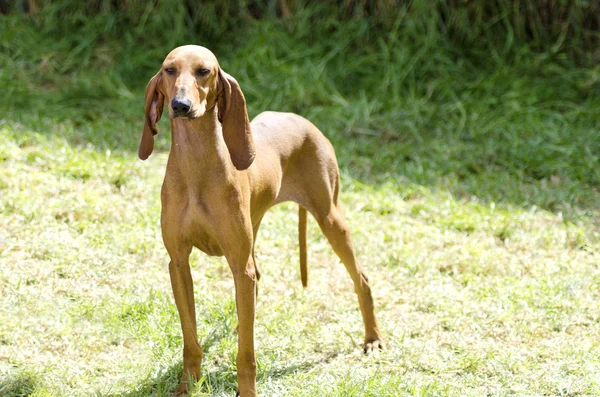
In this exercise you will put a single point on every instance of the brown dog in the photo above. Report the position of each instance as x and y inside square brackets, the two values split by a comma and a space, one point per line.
[223, 174]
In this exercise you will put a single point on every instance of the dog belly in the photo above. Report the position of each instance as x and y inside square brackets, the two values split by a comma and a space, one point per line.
[201, 238]
[197, 226]
[206, 243]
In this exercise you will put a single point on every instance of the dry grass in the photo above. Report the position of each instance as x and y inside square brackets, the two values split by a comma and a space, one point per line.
[470, 181]
[474, 298]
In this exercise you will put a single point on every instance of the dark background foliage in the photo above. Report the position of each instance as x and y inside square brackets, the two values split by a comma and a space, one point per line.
[496, 99]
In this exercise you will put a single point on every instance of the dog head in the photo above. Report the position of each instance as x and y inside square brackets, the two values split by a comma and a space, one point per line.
[192, 83]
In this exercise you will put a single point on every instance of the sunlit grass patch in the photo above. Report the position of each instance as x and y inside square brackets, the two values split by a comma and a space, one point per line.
[469, 180]
[473, 296]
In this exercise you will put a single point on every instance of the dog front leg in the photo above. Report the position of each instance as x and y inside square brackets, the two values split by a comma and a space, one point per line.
[245, 296]
[183, 291]
[237, 248]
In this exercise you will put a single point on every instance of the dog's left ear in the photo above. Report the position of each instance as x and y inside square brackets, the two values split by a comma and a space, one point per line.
[234, 119]
[153, 109]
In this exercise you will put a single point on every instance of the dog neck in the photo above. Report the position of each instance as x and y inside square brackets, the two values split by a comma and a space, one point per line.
[198, 148]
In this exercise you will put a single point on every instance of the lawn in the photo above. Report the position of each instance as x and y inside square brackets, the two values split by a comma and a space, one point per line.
[471, 189]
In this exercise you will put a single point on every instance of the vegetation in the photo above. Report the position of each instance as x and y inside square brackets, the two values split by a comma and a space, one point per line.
[467, 136]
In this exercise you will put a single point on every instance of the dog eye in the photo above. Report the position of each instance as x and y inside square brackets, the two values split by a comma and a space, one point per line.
[170, 70]
[202, 72]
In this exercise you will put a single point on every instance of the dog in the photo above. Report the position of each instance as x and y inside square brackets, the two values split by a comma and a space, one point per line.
[223, 174]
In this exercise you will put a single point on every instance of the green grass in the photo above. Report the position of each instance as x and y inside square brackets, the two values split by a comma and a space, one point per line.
[470, 181]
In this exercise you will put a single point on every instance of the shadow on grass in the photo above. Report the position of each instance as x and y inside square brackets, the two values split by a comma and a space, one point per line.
[17, 385]
[221, 380]
[488, 167]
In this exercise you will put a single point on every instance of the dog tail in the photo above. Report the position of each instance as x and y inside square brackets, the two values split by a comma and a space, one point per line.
[302, 215]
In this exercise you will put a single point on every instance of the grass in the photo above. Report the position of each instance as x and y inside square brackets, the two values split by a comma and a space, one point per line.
[469, 180]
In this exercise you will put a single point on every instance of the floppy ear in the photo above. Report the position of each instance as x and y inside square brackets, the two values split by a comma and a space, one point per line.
[153, 109]
[234, 119]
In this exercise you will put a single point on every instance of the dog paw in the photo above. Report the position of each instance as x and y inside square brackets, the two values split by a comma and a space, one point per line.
[183, 389]
[373, 345]
[180, 392]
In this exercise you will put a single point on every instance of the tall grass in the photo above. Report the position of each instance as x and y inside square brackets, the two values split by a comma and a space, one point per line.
[576, 22]
[482, 98]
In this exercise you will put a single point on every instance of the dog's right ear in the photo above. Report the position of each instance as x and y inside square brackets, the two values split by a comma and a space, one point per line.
[153, 109]
[233, 116]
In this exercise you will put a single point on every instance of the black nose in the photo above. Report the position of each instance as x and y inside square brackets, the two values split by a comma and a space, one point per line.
[181, 106]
